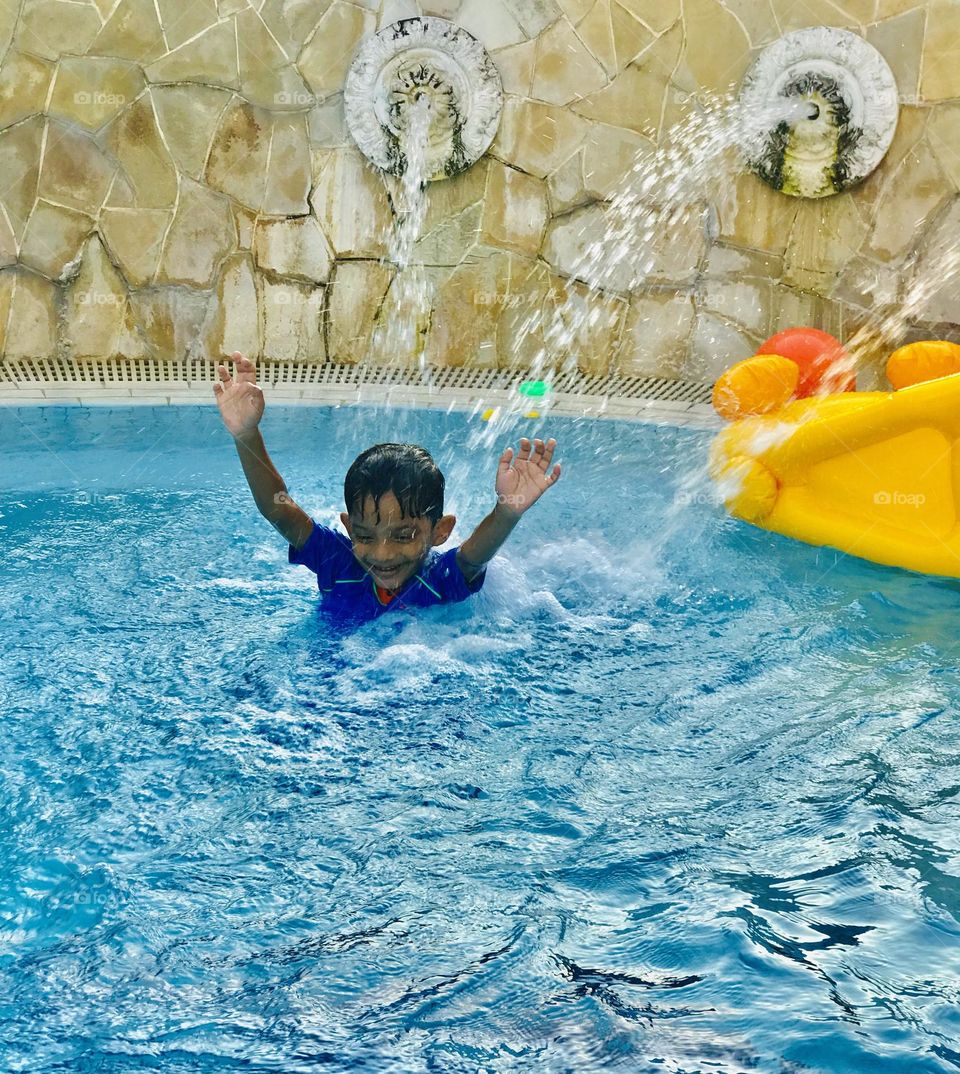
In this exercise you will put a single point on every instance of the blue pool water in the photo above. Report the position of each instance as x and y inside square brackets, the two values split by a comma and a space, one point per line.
[671, 794]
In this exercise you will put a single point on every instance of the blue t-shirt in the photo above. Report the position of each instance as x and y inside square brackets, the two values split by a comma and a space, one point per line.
[349, 591]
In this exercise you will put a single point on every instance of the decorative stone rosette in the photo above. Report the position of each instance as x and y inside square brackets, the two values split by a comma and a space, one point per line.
[848, 121]
[421, 58]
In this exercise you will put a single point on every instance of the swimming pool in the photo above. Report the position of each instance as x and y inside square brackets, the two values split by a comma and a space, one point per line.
[670, 794]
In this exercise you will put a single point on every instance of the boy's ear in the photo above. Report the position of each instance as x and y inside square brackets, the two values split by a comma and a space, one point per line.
[443, 528]
[345, 519]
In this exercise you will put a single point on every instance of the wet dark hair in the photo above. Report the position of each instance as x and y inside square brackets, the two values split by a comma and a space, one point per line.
[406, 470]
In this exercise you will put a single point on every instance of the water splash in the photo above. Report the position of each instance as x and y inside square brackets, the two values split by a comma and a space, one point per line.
[400, 332]
[660, 194]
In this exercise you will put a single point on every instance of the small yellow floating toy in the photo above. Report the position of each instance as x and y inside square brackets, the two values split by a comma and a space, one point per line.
[874, 474]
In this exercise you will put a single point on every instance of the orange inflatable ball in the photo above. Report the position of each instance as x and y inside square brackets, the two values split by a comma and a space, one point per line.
[816, 353]
[755, 386]
[923, 361]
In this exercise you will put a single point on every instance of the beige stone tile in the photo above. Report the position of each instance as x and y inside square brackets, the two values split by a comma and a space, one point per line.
[183, 21]
[20, 148]
[595, 30]
[31, 327]
[210, 58]
[715, 345]
[900, 41]
[443, 9]
[940, 77]
[289, 175]
[533, 16]
[725, 261]
[232, 322]
[53, 238]
[928, 268]
[943, 137]
[24, 84]
[132, 32]
[757, 18]
[466, 310]
[239, 154]
[449, 198]
[911, 128]
[565, 71]
[135, 140]
[631, 37]
[886, 9]
[591, 323]
[656, 334]
[267, 75]
[403, 320]
[796, 14]
[8, 241]
[867, 283]
[9, 14]
[757, 217]
[802, 309]
[451, 226]
[915, 190]
[453, 240]
[292, 315]
[526, 315]
[293, 248]
[515, 64]
[328, 54]
[351, 204]
[134, 238]
[92, 90]
[292, 21]
[168, 319]
[567, 186]
[634, 99]
[827, 234]
[575, 10]
[202, 234]
[515, 210]
[188, 116]
[75, 171]
[717, 52]
[50, 28]
[94, 307]
[491, 23]
[536, 137]
[659, 16]
[327, 125]
[355, 294]
[609, 155]
[575, 244]
[744, 303]
[394, 10]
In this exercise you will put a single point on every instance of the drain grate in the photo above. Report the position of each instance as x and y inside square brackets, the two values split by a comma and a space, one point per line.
[195, 373]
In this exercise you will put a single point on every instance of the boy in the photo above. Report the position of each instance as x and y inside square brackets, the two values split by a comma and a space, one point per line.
[394, 499]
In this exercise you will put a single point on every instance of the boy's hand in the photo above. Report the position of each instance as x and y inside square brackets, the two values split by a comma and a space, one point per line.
[239, 398]
[519, 488]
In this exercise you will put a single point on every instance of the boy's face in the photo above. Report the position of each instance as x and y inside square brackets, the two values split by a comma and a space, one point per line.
[392, 548]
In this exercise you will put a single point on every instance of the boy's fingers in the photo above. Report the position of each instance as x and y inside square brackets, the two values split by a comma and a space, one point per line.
[548, 454]
[524, 452]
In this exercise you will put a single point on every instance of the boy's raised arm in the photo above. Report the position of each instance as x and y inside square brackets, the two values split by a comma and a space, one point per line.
[518, 489]
[241, 404]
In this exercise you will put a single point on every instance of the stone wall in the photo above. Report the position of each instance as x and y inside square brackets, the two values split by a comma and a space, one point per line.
[179, 182]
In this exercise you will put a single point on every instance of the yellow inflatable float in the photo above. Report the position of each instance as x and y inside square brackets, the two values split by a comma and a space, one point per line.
[874, 474]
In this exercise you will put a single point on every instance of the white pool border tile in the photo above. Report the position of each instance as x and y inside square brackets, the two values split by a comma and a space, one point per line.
[173, 393]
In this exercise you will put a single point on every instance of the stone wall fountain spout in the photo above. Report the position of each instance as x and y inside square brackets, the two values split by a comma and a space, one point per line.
[431, 63]
[845, 115]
